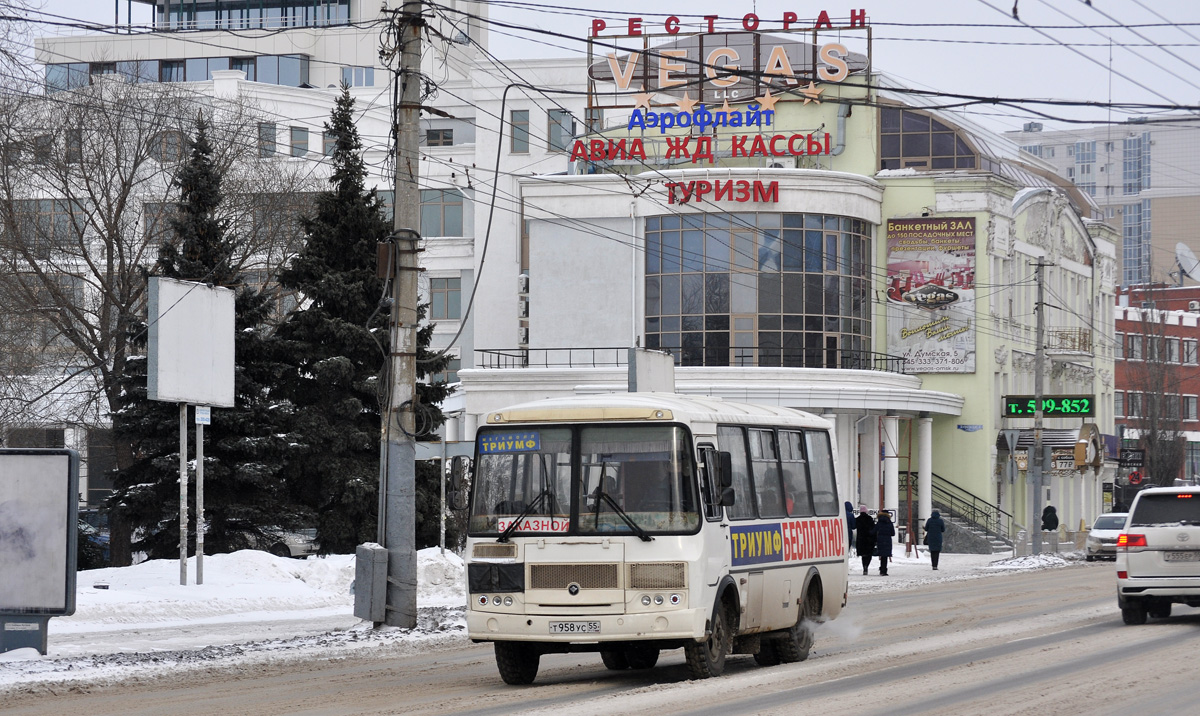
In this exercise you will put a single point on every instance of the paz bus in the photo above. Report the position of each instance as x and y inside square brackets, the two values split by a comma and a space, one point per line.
[630, 523]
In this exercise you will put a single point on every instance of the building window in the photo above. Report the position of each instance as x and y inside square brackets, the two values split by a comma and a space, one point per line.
[1133, 405]
[445, 298]
[329, 143]
[450, 374]
[519, 140]
[560, 130]
[1133, 347]
[1119, 347]
[1189, 351]
[74, 146]
[299, 141]
[167, 147]
[914, 139]
[1189, 407]
[266, 139]
[43, 148]
[1119, 404]
[1050, 152]
[593, 119]
[759, 289]
[358, 76]
[441, 212]
[46, 226]
[439, 137]
[245, 64]
[1172, 350]
[173, 70]
[1034, 149]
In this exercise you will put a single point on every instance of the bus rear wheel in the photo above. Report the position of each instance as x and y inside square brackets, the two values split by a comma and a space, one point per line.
[517, 662]
[799, 640]
[706, 659]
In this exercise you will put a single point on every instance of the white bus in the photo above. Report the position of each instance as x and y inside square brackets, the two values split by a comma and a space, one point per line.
[629, 523]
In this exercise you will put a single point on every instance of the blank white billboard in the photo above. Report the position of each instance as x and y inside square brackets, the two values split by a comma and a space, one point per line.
[37, 531]
[190, 351]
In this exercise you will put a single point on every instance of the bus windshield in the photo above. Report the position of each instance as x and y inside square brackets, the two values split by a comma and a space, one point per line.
[630, 479]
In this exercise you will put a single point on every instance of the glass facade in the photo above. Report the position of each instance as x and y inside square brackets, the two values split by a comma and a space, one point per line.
[762, 289]
[289, 70]
[243, 14]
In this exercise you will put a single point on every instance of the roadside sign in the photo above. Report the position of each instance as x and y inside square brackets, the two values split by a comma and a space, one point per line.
[203, 415]
[1132, 457]
[1135, 478]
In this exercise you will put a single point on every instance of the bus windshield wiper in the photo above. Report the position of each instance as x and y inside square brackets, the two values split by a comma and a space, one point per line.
[641, 533]
[512, 527]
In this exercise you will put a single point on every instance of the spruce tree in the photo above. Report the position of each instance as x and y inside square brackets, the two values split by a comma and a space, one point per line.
[246, 502]
[337, 346]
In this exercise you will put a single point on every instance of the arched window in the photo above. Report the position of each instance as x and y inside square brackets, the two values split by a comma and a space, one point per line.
[912, 139]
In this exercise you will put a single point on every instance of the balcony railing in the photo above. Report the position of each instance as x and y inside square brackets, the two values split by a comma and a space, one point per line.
[607, 357]
[1070, 340]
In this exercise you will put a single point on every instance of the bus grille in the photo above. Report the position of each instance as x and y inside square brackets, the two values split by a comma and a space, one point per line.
[559, 576]
[658, 575]
[494, 551]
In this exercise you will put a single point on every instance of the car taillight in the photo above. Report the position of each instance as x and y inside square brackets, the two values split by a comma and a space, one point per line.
[1122, 575]
[1126, 541]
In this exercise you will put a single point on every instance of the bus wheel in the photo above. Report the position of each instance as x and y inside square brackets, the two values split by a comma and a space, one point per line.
[614, 660]
[799, 640]
[768, 654]
[517, 662]
[641, 658]
[706, 659]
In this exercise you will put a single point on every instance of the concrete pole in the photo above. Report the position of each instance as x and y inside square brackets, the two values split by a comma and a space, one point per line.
[1035, 455]
[400, 423]
[183, 490]
[199, 503]
[924, 467]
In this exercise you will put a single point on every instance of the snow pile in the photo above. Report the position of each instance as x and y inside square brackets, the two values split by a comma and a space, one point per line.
[253, 607]
[1033, 561]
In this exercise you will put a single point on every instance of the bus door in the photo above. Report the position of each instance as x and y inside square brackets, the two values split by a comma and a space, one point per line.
[715, 530]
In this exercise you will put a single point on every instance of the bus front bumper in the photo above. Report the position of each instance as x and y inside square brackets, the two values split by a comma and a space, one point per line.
[682, 624]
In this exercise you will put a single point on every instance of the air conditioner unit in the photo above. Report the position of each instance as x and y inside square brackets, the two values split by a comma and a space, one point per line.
[1194, 305]
[523, 308]
[523, 336]
[523, 283]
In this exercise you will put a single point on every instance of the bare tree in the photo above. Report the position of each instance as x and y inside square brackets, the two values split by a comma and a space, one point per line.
[15, 22]
[85, 190]
[1154, 399]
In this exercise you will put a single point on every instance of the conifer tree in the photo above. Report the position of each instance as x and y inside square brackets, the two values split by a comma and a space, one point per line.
[246, 503]
[337, 346]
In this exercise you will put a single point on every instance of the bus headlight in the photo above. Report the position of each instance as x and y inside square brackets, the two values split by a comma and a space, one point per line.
[496, 601]
[645, 600]
[658, 599]
[508, 601]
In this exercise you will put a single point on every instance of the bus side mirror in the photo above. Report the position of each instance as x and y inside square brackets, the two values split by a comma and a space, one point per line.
[727, 497]
[460, 470]
[725, 478]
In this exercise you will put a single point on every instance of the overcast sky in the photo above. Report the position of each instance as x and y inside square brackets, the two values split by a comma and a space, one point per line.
[1160, 66]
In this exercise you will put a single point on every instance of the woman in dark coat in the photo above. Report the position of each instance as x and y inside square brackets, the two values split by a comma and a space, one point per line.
[884, 532]
[864, 543]
[1049, 519]
[935, 527]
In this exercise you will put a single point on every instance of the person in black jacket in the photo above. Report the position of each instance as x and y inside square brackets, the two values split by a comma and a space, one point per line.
[884, 532]
[935, 527]
[1049, 519]
[864, 543]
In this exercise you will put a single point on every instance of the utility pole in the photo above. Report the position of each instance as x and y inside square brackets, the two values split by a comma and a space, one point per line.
[1039, 363]
[398, 529]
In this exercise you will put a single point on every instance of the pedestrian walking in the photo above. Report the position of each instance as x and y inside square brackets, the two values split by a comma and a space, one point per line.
[1049, 519]
[935, 527]
[884, 532]
[849, 524]
[864, 543]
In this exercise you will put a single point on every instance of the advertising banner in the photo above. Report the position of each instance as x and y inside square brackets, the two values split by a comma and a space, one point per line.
[931, 293]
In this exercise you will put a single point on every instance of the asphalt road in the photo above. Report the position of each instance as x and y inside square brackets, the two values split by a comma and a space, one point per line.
[1046, 642]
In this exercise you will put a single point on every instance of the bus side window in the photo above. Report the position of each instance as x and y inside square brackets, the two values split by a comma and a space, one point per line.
[764, 456]
[733, 440]
[709, 484]
[820, 463]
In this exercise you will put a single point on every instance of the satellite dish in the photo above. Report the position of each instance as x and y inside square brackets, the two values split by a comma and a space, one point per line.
[1188, 263]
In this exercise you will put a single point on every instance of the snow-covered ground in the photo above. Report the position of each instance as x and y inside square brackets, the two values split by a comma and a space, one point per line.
[254, 607]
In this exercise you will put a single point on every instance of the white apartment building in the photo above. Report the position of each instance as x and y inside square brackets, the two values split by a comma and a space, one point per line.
[1141, 173]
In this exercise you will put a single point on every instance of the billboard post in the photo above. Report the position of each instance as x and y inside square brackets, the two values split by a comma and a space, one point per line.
[39, 512]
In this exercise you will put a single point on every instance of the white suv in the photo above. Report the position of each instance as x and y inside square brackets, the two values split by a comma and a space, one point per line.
[1158, 554]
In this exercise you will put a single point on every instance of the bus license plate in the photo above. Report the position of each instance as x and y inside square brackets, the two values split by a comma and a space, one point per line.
[574, 627]
[1180, 556]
